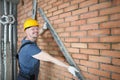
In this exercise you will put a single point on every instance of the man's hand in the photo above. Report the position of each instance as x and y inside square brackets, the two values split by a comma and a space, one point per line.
[72, 70]
[43, 28]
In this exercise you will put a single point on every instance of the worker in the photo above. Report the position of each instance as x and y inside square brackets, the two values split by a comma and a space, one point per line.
[30, 54]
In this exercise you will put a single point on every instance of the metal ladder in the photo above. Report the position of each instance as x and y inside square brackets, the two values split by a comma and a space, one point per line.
[8, 39]
[60, 44]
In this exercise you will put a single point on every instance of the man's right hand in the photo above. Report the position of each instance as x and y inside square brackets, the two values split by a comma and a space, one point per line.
[72, 70]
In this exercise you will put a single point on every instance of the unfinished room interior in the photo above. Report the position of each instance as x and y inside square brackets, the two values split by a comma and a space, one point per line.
[59, 39]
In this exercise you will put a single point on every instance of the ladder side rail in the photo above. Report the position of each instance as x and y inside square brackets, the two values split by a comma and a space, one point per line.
[34, 9]
[1, 42]
[5, 41]
[14, 42]
[9, 43]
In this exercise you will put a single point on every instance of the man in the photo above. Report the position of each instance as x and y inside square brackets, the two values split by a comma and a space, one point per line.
[30, 54]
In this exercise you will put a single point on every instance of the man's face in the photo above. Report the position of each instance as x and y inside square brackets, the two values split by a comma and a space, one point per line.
[32, 32]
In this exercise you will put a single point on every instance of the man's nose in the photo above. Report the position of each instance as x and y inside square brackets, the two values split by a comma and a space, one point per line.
[36, 30]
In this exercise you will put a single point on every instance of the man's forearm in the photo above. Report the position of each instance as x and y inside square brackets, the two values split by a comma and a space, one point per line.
[58, 62]
[46, 57]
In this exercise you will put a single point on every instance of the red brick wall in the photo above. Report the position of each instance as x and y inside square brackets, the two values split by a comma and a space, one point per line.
[90, 30]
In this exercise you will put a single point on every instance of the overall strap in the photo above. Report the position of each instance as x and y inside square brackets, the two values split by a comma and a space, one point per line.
[17, 56]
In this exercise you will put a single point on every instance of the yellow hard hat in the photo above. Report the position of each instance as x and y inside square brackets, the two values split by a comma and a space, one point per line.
[30, 23]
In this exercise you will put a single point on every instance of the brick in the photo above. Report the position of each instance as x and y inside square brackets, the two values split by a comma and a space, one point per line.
[21, 13]
[79, 45]
[71, 18]
[47, 7]
[53, 52]
[71, 40]
[76, 61]
[110, 24]
[53, 44]
[88, 3]
[83, 68]
[43, 44]
[80, 56]
[97, 19]
[63, 5]
[90, 76]
[73, 50]
[52, 9]
[58, 21]
[52, 22]
[57, 3]
[89, 27]
[103, 78]
[110, 10]
[54, 17]
[89, 15]
[58, 12]
[115, 76]
[52, 2]
[110, 39]
[49, 15]
[67, 74]
[76, 1]
[100, 6]
[116, 61]
[71, 8]
[78, 22]
[72, 29]
[88, 39]
[54, 25]
[115, 17]
[111, 68]
[89, 51]
[66, 34]
[101, 32]
[59, 30]
[116, 46]
[110, 53]
[62, 25]
[78, 34]
[99, 72]
[42, 6]
[99, 46]
[29, 3]
[67, 14]
[79, 11]
[100, 59]
[28, 7]
[67, 44]
[29, 14]
[115, 31]
[89, 64]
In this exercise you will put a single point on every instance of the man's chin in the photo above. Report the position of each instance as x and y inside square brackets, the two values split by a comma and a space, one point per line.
[35, 37]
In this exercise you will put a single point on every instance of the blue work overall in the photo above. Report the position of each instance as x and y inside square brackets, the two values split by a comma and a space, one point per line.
[28, 66]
